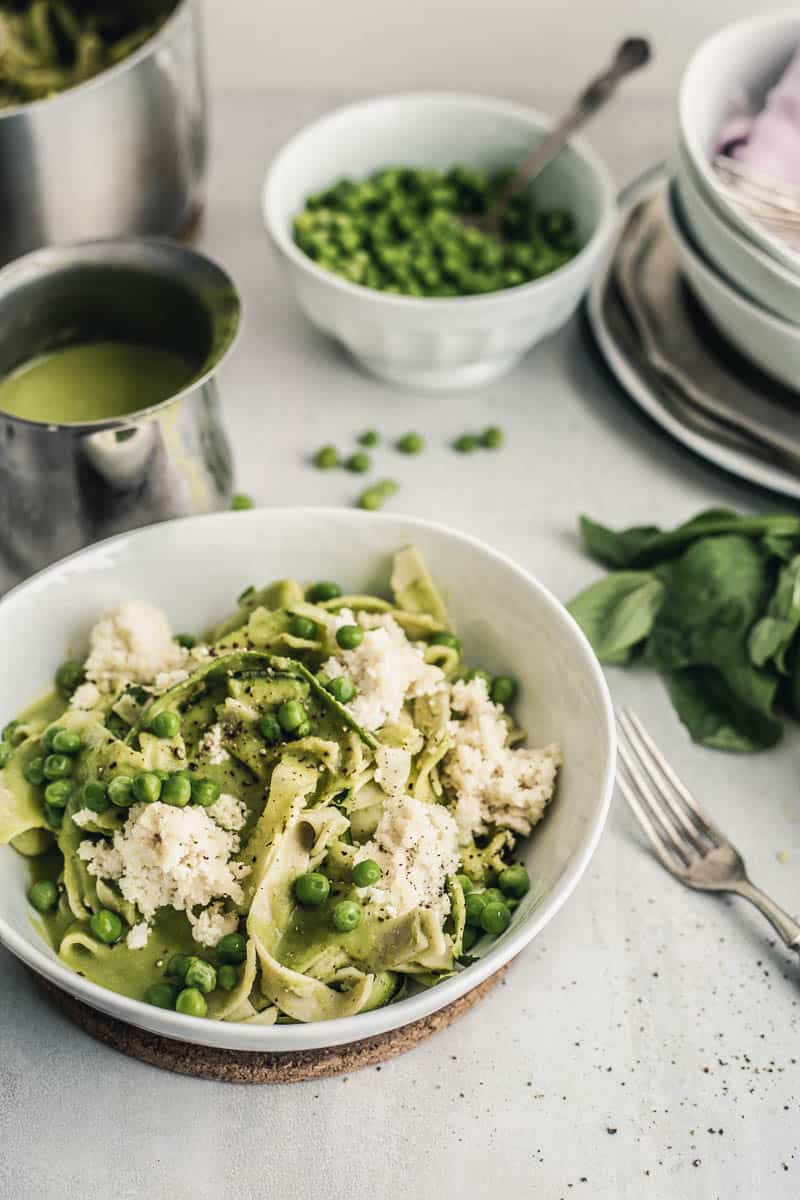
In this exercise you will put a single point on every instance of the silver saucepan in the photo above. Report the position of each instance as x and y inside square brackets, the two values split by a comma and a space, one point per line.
[123, 153]
[63, 486]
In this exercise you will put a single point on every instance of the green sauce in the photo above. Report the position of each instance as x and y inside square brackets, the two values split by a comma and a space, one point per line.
[93, 382]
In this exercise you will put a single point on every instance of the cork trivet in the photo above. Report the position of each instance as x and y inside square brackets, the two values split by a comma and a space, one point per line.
[238, 1066]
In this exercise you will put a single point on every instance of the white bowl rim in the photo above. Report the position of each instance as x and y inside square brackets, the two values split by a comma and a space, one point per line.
[749, 307]
[280, 234]
[746, 25]
[775, 267]
[277, 1038]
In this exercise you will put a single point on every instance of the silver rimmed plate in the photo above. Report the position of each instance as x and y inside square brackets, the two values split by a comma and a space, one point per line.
[700, 349]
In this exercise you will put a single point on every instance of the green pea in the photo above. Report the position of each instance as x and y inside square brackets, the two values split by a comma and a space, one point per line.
[358, 463]
[320, 592]
[93, 796]
[493, 893]
[515, 881]
[349, 637]
[465, 883]
[311, 889]
[347, 916]
[366, 872]
[232, 948]
[479, 673]
[12, 733]
[160, 774]
[5, 753]
[371, 499]
[201, 975]
[43, 895]
[503, 689]
[69, 676]
[162, 995]
[469, 939]
[66, 741]
[34, 771]
[241, 501]
[411, 443]
[177, 791]
[49, 734]
[106, 926]
[54, 816]
[191, 1003]
[187, 640]
[166, 724]
[58, 793]
[342, 689]
[269, 728]
[147, 787]
[227, 977]
[322, 679]
[466, 443]
[291, 714]
[492, 437]
[495, 917]
[57, 766]
[326, 458]
[446, 639]
[120, 791]
[369, 437]
[303, 730]
[205, 792]
[177, 966]
[302, 627]
[474, 903]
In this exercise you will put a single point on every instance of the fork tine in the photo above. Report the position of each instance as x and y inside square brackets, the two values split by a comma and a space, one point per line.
[652, 765]
[670, 834]
[667, 859]
[689, 810]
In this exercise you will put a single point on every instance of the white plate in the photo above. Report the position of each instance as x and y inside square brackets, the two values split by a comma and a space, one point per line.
[737, 462]
[194, 568]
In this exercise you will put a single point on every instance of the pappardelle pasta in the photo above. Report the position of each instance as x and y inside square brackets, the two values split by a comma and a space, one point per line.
[302, 816]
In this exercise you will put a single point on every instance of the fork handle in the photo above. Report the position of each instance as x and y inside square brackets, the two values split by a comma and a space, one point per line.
[787, 929]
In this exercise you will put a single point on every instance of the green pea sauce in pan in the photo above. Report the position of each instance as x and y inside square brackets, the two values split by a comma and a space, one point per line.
[93, 382]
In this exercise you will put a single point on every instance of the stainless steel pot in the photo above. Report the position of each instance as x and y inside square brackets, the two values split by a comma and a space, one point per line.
[64, 486]
[124, 153]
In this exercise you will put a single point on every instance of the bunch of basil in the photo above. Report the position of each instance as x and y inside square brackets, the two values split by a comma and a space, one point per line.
[715, 606]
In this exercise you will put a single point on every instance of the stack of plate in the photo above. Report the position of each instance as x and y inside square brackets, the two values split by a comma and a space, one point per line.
[746, 279]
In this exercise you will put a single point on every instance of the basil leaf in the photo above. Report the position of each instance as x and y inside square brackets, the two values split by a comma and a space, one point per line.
[772, 636]
[616, 549]
[617, 613]
[716, 716]
[713, 594]
[643, 545]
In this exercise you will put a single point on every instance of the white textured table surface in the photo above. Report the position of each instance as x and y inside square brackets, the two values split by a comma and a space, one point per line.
[646, 1046]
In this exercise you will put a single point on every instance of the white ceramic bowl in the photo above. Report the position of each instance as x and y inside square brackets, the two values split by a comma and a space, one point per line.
[745, 265]
[739, 63]
[438, 343]
[771, 343]
[194, 568]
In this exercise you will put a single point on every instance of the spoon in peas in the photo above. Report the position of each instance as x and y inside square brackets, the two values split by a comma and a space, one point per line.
[631, 54]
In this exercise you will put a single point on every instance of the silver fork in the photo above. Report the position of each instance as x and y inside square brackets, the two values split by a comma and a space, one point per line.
[685, 841]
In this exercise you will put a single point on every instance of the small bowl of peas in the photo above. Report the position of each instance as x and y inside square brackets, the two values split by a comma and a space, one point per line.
[365, 208]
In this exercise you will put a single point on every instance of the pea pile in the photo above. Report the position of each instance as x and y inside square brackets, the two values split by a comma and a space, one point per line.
[399, 231]
[191, 978]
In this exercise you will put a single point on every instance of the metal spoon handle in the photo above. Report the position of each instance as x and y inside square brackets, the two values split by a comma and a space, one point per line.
[631, 54]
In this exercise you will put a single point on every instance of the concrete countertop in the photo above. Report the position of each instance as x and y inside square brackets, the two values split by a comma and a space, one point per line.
[645, 1046]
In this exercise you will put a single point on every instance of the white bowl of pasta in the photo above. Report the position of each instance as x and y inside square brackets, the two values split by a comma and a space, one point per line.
[286, 836]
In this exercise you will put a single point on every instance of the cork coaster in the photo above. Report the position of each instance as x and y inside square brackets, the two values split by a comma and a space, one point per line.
[238, 1066]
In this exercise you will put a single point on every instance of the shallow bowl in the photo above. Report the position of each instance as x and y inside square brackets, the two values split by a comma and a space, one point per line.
[771, 343]
[194, 568]
[735, 67]
[744, 264]
[436, 343]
